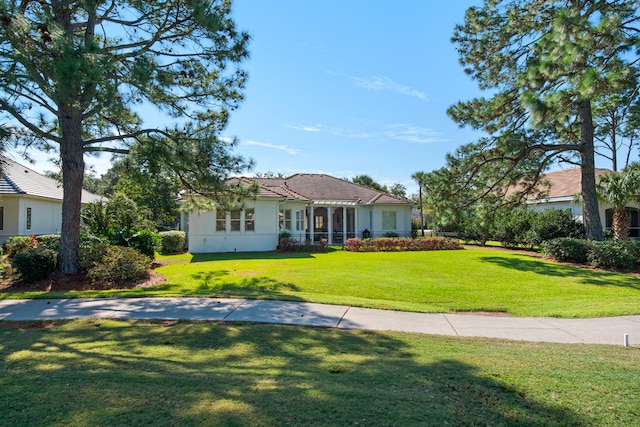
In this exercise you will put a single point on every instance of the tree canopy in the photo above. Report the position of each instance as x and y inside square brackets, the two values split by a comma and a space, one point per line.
[545, 64]
[90, 77]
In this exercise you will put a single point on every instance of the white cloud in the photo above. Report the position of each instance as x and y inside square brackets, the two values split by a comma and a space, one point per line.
[381, 83]
[284, 148]
[397, 132]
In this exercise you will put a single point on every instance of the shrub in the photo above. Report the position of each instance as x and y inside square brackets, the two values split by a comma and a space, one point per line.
[51, 241]
[476, 230]
[567, 249]
[146, 242]
[552, 224]
[35, 263]
[611, 254]
[17, 244]
[173, 241]
[390, 234]
[292, 245]
[512, 228]
[121, 264]
[91, 254]
[386, 244]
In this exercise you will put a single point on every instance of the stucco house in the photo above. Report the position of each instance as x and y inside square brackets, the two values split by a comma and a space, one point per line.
[564, 187]
[30, 203]
[308, 206]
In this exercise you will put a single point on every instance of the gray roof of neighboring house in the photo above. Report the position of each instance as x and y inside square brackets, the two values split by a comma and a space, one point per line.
[320, 187]
[19, 179]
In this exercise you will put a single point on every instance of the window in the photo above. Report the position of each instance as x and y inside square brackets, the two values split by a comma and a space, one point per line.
[1, 217]
[319, 222]
[388, 220]
[300, 220]
[28, 218]
[235, 220]
[249, 219]
[221, 220]
[286, 223]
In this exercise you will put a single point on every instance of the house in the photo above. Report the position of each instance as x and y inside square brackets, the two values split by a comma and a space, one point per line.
[308, 206]
[562, 193]
[30, 203]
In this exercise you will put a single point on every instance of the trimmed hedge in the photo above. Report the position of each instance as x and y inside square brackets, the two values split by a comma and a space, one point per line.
[608, 255]
[173, 242]
[567, 250]
[388, 244]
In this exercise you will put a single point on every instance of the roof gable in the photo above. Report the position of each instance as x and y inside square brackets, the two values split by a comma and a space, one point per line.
[321, 187]
[19, 179]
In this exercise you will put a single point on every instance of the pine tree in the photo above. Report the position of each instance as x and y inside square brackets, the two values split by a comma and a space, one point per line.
[545, 64]
[77, 76]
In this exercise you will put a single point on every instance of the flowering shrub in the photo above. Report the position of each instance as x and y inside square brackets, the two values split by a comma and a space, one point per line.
[288, 244]
[391, 244]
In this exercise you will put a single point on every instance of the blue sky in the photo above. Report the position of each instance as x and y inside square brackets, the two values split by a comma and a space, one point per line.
[351, 87]
[347, 87]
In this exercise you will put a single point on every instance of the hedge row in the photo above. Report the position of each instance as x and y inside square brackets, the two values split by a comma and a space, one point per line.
[609, 255]
[287, 244]
[388, 244]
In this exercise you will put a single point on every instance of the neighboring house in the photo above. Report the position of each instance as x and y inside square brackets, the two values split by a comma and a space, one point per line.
[564, 189]
[30, 203]
[308, 206]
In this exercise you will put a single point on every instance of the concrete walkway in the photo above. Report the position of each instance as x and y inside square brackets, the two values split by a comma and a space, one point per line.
[611, 330]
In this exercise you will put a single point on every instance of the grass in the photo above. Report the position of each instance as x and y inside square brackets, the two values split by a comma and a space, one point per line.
[438, 281]
[113, 373]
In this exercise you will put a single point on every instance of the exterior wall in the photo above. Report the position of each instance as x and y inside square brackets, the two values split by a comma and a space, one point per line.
[203, 237]
[300, 235]
[46, 216]
[576, 208]
[403, 220]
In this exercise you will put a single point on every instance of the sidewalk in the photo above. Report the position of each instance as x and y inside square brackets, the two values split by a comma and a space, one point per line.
[609, 330]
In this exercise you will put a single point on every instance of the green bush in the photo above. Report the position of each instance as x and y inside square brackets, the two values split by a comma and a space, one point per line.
[35, 263]
[513, 228]
[51, 241]
[388, 244]
[567, 249]
[17, 244]
[612, 254]
[173, 242]
[146, 242]
[553, 224]
[91, 254]
[121, 264]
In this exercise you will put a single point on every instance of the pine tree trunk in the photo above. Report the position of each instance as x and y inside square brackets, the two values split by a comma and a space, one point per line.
[621, 225]
[590, 211]
[72, 176]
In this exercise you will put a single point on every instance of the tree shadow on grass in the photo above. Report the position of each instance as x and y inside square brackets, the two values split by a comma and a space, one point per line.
[144, 373]
[585, 275]
[231, 256]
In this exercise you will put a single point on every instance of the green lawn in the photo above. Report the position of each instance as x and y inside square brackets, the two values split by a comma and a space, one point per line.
[436, 281]
[117, 373]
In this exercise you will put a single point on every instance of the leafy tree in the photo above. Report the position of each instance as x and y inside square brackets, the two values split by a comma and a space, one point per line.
[545, 62]
[619, 189]
[367, 181]
[75, 75]
[270, 174]
[398, 190]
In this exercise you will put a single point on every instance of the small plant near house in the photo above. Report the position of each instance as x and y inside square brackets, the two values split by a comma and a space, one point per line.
[35, 263]
[612, 254]
[292, 245]
[173, 242]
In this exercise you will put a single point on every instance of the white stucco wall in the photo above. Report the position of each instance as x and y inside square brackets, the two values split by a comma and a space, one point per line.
[203, 237]
[574, 207]
[46, 216]
[403, 220]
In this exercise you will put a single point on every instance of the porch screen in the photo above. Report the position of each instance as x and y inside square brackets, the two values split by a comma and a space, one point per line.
[221, 220]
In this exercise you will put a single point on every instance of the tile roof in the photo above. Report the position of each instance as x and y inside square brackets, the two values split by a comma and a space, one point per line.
[320, 187]
[567, 182]
[19, 179]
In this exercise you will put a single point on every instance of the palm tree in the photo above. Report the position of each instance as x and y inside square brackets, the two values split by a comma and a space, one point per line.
[419, 178]
[619, 189]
